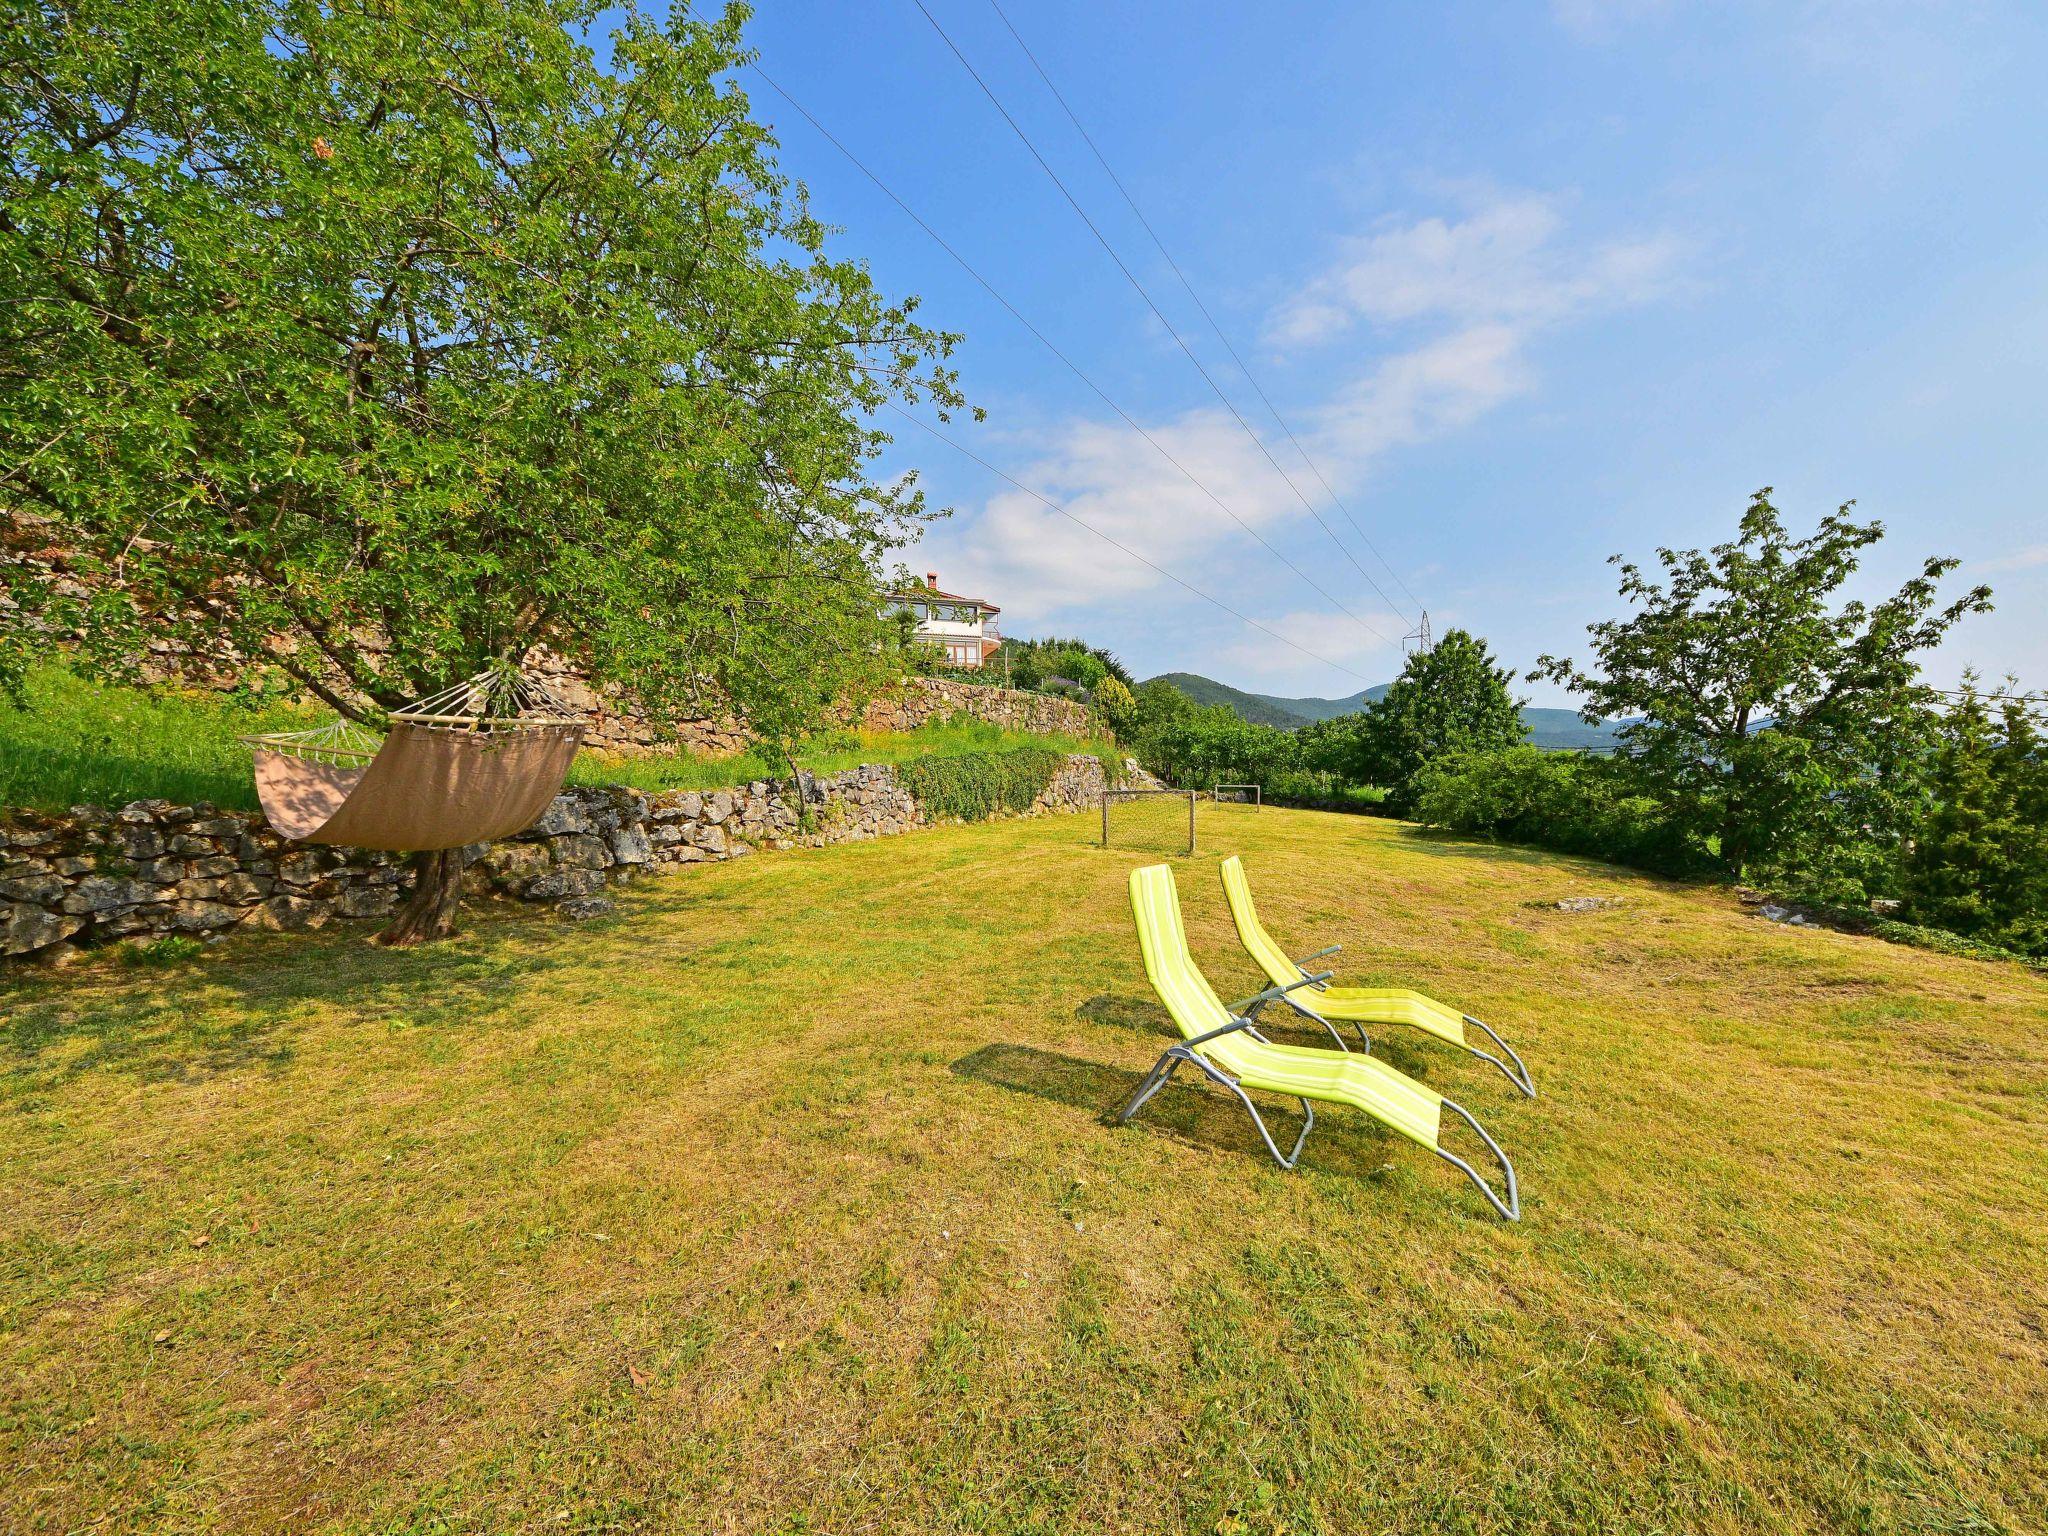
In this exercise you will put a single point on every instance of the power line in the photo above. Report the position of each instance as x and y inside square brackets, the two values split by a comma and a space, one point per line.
[1073, 367]
[1158, 314]
[1215, 602]
[1250, 378]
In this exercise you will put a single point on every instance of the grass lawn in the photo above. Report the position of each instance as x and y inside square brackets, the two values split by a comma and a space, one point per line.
[73, 742]
[781, 1202]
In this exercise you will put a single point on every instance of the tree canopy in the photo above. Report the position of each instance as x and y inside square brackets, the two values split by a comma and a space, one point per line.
[1767, 715]
[383, 343]
[1449, 698]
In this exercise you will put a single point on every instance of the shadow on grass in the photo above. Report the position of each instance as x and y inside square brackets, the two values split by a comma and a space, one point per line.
[1182, 1110]
[237, 1006]
[1437, 841]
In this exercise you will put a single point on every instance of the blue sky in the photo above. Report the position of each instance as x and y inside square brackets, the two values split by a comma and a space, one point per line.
[1534, 282]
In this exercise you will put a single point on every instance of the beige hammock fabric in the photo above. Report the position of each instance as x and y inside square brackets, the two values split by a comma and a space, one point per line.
[470, 764]
[428, 787]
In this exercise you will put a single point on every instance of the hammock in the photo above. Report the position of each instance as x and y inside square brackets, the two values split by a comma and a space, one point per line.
[477, 761]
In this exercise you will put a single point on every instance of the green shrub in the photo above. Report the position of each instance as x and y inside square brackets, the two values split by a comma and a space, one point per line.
[1563, 800]
[974, 786]
[171, 949]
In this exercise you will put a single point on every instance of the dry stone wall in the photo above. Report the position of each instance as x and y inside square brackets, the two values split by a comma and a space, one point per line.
[152, 868]
[916, 701]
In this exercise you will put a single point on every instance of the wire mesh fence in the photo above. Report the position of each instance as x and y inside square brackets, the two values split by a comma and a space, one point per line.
[1236, 794]
[1154, 820]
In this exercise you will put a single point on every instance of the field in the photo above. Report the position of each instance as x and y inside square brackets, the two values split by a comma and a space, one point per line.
[73, 742]
[782, 1202]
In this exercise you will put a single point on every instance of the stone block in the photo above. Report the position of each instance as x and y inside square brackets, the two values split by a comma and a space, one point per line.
[40, 890]
[236, 889]
[154, 919]
[630, 846]
[25, 928]
[302, 866]
[367, 901]
[565, 814]
[579, 907]
[585, 850]
[286, 913]
[195, 916]
[139, 841]
[108, 893]
[564, 882]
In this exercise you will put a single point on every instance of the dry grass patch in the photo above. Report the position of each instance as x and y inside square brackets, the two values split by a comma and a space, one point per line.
[781, 1202]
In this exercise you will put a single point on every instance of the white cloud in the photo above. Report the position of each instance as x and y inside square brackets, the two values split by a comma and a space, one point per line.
[2025, 559]
[1477, 288]
[1503, 262]
[1420, 394]
[1112, 478]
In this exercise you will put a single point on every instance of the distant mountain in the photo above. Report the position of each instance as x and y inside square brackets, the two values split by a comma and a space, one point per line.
[1563, 730]
[1255, 707]
[1327, 709]
[1556, 729]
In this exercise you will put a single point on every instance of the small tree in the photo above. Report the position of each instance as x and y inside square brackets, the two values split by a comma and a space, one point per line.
[1118, 707]
[1159, 703]
[381, 349]
[1978, 864]
[1778, 728]
[1450, 698]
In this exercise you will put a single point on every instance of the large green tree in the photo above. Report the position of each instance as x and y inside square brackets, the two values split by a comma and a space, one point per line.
[1449, 698]
[1780, 726]
[383, 342]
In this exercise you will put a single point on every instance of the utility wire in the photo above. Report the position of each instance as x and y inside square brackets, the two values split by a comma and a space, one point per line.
[1159, 314]
[1072, 366]
[1215, 602]
[1250, 377]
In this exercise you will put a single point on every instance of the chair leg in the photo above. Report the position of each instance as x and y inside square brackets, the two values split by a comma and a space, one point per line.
[1516, 1074]
[1309, 1122]
[1510, 1208]
[1160, 1075]
[1170, 1063]
[1364, 1040]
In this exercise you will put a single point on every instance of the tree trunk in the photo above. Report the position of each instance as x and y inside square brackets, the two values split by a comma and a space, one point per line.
[429, 912]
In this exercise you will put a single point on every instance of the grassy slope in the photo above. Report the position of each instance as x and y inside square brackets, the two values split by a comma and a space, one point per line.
[317, 1237]
[80, 743]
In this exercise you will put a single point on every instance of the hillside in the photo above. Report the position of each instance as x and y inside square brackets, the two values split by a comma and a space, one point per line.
[1557, 729]
[1327, 709]
[1255, 707]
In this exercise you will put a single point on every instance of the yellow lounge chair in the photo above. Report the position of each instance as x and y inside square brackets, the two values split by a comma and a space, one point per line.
[1356, 1005]
[1224, 1044]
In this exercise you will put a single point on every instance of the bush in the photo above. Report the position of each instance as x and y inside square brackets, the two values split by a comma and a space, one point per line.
[973, 786]
[1563, 800]
[1206, 746]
